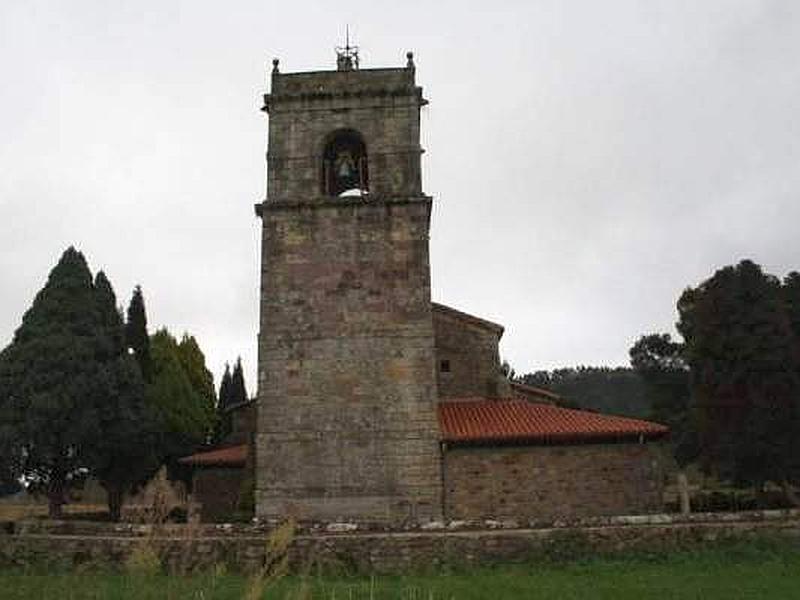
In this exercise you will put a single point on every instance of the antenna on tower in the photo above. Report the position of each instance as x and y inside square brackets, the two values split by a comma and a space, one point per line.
[347, 55]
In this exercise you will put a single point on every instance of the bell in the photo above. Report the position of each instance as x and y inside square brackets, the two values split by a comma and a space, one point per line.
[345, 167]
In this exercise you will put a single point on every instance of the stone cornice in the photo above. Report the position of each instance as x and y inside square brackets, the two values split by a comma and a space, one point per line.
[326, 202]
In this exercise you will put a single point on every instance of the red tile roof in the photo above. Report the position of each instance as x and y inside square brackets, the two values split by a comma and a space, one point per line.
[482, 421]
[230, 456]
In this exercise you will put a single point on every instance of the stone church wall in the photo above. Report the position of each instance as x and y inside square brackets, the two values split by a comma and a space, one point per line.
[219, 491]
[546, 482]
[347, 423]
[467, 355]
[382, 105]
[243, 424]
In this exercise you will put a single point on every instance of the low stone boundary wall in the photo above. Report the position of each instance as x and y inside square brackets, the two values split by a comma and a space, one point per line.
[183, 548]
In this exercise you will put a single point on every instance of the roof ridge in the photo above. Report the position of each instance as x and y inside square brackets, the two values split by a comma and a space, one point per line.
[479, 321]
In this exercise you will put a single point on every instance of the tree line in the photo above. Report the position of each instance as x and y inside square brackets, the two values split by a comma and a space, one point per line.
[85, 389]
[614, 390]
[729, 390]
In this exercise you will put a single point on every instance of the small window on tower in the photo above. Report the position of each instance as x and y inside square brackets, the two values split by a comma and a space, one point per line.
[444, 366]
[344, 164]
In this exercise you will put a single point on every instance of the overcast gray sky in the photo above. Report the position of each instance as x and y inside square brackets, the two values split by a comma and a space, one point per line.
[588, 160]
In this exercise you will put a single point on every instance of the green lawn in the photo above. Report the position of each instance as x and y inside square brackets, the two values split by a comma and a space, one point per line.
[759, 570]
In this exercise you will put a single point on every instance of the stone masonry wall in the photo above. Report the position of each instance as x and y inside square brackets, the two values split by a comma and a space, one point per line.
[380, 104]
[467, 356]
[545, 482]
[184, 549]
[346, 418]
[347, 424]
[218, 490]
[243, 424]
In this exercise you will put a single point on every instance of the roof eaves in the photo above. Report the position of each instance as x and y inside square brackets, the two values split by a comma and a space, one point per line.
[453, 312]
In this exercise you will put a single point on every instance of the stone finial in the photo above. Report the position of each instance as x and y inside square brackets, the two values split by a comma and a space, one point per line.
[275, 62]
[410, 60]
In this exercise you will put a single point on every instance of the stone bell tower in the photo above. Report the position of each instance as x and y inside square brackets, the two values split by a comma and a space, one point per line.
[346, 387]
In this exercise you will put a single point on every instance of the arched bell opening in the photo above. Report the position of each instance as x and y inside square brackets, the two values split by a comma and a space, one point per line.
[344, 164]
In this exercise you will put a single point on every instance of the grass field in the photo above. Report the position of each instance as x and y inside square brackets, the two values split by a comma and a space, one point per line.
[761, 569]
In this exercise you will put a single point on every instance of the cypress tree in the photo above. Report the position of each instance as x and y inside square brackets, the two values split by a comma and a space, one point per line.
[225, 389]
[136, 333]
[121, 453]
[181, 394]
[47, 377]
[238, 390]
[108, 317]
[224, 423]
[194, 364]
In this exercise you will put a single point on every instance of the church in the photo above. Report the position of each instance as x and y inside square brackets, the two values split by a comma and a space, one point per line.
[376, 404]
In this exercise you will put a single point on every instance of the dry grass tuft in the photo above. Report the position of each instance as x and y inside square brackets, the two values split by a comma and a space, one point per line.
[276, 562]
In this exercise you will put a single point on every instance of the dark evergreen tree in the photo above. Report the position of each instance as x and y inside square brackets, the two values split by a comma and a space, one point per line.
[224, 423]
[194, 364]
[659, 362]
[201, 379]
[9, 449]
[47, 377]
[225, 389]
[179, 394]
[238, 390]
[791, 298]
[136, 333]
[742, 352]
[121, 452]
[9, 472]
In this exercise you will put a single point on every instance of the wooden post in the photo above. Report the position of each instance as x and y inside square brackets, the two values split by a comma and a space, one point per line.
[683, 493]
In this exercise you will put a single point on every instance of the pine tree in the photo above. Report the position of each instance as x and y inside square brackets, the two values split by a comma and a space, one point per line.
[745, 386]
[791, 298]
[658, 360]
[136, 333]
